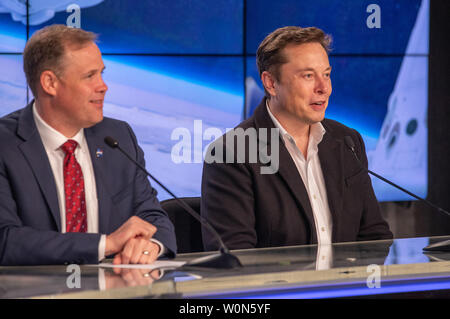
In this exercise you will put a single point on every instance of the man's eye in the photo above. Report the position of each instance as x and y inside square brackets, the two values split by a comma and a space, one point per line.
[327, 75]
[308, 76]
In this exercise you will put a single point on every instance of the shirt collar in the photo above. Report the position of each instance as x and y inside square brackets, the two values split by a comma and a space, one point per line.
[51, 138]
[317, 130]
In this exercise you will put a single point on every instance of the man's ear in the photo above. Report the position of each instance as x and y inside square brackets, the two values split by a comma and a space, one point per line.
[49, 82]
[268, 81]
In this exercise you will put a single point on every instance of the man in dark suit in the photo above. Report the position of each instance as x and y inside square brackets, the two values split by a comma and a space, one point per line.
[66, 197]
[317, 191]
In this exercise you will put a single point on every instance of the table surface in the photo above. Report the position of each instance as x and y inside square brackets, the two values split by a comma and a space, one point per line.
[338, 270]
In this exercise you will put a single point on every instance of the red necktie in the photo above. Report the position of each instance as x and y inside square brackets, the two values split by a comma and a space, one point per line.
[76, 219]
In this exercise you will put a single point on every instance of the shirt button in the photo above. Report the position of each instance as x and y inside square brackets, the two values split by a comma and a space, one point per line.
[323, 228]
[314, 196]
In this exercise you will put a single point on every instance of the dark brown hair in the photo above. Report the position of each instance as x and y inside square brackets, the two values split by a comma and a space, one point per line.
[269, 56]
[46, 48]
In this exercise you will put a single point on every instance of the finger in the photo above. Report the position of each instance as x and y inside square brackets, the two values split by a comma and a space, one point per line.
[117, 259]
[147, 230]
[141, 227]
[132, 228]
[138, 250]
[153, 251]
[146, 253]
[128, 251]
[153, 230]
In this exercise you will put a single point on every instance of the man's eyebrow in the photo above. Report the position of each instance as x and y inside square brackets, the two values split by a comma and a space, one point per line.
[311, 69]
[95, 70]
[305, 69]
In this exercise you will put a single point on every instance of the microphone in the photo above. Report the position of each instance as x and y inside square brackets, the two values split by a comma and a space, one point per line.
[440, 246]
[224, 259]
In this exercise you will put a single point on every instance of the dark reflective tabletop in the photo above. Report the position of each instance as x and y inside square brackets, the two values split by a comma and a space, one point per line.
[268, 269]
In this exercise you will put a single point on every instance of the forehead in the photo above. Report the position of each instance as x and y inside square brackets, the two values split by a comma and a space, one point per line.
[307, 55]
[82, 56]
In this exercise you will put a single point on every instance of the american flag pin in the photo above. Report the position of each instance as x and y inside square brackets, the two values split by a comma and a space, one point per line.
[99, 153]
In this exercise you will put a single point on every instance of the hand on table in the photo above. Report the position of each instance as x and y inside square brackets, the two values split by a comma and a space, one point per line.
[137, 250]
[133, 228]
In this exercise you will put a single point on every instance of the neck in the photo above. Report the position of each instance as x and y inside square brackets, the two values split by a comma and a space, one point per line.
[298, 129]
[47, 113]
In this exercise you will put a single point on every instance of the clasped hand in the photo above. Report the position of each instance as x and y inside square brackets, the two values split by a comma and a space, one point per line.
[131, 243]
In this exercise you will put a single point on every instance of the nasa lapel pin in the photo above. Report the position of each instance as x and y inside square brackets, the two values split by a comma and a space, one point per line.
[99, 153]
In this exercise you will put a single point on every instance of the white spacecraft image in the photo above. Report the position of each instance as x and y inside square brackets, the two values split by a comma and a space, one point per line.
[401, 151]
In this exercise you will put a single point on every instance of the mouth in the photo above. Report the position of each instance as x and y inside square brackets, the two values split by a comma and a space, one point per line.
[98, 102]
[318, 105]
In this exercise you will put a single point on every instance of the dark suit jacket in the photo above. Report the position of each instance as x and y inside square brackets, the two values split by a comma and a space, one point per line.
[250, 209]
[30, 225]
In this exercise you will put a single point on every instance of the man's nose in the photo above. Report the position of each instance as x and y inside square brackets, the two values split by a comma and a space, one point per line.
[323, 86]
[102, 88]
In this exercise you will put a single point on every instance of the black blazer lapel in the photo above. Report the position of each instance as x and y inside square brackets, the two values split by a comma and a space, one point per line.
[331, 161]
[289, 173]
[287, 169]
[34, 151]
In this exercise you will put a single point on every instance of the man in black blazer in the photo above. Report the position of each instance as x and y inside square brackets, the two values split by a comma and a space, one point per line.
[115, 204]
[317, 191]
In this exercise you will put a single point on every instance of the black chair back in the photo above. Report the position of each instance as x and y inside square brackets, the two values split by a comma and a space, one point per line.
[187, 229]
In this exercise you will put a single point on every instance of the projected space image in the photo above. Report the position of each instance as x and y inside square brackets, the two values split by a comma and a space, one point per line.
[156, 102]
[185, 63]
[13, 86]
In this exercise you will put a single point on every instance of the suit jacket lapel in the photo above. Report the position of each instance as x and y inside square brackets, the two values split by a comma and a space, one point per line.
[34, 151]
[330, 155]
[287, 169]
[95, 143]
[289, 172]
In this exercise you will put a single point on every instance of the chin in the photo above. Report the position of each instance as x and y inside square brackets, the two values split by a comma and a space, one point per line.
[93, 122]
[99, 117]
[320, 117]
[316, 119]
[99, 120]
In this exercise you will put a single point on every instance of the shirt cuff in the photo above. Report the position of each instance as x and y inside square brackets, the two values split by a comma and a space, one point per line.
[162, 249]
[101, 248]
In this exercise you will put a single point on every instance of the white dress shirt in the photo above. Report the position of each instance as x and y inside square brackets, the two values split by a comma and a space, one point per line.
[311, 173]
[52, 141]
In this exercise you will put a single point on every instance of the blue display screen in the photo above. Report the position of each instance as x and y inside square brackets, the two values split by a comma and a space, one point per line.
[186, 66]
[345, 20]
[160, 26]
